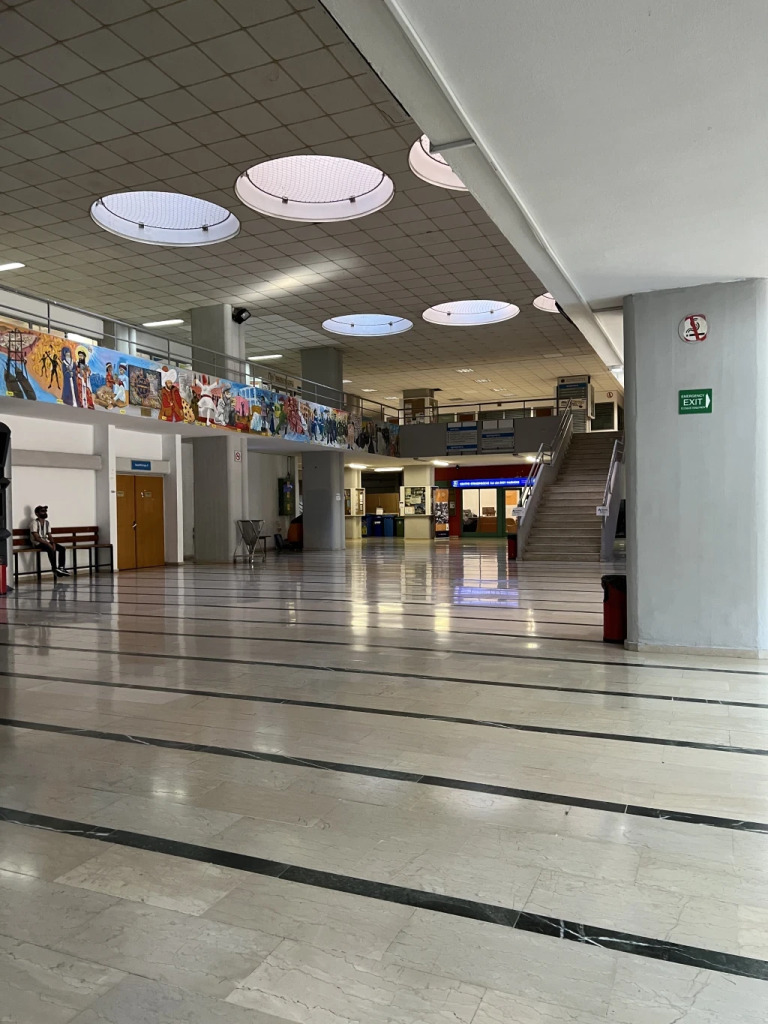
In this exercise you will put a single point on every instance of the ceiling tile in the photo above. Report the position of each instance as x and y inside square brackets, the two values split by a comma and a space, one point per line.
[61, 103]
[62, 137]
[25, 116]
[178, 105]
[62, 20]
[100, 91]
[19, 36]
[237, 51]
[21, 79]
[293, 108]
[168, 139]
[138, 116]
[143, 79]
[286, 37]
[103, 49]
[188, 66]
[251, 118]
[200, 19]
[98, 127]
[336, 97]
[150, 34]
[209, 129]
[110, 11]
[220, 94]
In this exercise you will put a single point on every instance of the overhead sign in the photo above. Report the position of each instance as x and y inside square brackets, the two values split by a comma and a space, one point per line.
[461, 438]
[693, 328]
[515, 481]
[498, 436]
[141, 464]
[695, 400]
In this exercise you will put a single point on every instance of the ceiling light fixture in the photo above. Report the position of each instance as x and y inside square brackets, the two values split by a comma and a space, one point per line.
[431, 167]
[260, 359]
[388, 469]
[313, 187]
[470, 312]
[164, 218]
[370, 325]
[357, 465]
[369, 391]
[546, 303]
[440, 462]
[81, 337]
[11, 266]
[392, 398]
[482, 380]
[162, 323]
[466, 369]
[347, 381]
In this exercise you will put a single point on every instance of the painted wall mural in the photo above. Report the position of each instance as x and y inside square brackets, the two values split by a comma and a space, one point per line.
[39, 367]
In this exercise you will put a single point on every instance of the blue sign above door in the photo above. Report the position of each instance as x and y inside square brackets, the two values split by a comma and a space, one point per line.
[144, 464]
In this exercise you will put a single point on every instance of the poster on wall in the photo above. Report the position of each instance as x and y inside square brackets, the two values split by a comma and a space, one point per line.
[40, 367]
[498, 436]
[440, 510]
[415, 501]
[462, 438]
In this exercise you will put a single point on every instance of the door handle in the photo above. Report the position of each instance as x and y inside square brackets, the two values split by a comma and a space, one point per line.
[134, 526]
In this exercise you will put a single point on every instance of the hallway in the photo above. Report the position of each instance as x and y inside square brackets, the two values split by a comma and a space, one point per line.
[394, 784]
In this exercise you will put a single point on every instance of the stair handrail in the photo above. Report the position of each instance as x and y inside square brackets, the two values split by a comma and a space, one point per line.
[546, 455]
[617, 457]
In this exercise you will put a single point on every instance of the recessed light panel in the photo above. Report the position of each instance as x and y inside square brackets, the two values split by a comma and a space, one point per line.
[313, 187]
[546, 303]
[164, 218]
[470, 312]
[369, 325]
[11, 266]
[162, 323]
[432, 167]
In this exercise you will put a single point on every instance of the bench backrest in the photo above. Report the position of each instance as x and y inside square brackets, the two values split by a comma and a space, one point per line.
[78, 536]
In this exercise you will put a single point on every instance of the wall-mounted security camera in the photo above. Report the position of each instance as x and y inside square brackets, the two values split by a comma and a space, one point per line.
[240, 314]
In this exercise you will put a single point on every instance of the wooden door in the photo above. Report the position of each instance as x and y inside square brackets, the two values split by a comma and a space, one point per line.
[150, 524]
[126, 522]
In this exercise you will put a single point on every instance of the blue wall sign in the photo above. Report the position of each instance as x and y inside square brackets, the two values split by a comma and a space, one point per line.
[141, 464]
[514, 481]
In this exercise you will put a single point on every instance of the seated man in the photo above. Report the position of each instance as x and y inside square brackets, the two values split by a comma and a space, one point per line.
[40, 536]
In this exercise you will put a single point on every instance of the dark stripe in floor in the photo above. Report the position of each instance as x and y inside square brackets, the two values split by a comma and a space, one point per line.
[614, 807]
[507, 917]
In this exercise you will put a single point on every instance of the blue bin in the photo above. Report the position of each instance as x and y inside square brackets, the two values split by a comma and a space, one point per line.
[378, 526]
[389, 526]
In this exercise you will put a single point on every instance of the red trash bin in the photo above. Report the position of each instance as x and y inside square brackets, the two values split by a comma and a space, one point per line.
[614, 609]
[511, 546]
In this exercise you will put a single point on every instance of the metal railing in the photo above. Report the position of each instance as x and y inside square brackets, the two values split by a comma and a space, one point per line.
[617, 457]
[546, 455]
[45, 315]
[479, 410]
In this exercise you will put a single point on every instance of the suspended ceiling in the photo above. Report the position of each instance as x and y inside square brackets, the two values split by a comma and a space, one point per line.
[182, 95]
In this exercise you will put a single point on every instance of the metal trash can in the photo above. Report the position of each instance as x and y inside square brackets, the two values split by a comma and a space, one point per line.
[511, 547]
[614, 609]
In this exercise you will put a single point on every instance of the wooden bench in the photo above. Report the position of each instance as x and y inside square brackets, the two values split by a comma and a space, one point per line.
[74, 539]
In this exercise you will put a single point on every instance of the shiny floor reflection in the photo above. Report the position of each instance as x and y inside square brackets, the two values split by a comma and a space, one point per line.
[397, 784]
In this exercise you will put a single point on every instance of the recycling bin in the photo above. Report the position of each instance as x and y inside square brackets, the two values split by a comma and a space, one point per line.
[399, 526]
[511, 547]
[614, 609]
[377, 524]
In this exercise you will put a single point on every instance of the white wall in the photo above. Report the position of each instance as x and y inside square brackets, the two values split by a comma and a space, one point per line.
[69, 493]
[48, 435]
[137, 444]
[697, 487]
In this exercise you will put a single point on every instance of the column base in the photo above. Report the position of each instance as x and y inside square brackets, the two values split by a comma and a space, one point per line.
[715, 652]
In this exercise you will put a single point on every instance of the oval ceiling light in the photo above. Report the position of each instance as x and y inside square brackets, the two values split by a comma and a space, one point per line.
[470, 312]
[367, 325]
[431, 167]
[313, 187]
[546, 302]
[164, 218]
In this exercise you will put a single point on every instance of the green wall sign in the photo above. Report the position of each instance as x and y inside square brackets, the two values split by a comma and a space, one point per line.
[695, 400]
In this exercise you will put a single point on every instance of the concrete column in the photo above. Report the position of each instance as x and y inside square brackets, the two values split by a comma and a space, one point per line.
[221, 494]
[353, 525]
[697, 486]
[324, 367]
[420, 527]
[173, 500]
[104, 437]
[221, 341]
[323, 492]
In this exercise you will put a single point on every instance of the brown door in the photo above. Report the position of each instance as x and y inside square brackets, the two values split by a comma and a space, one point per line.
[126, 522]
[150, 525]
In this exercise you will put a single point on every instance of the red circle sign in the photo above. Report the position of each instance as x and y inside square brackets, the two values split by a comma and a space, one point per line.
[693, 328]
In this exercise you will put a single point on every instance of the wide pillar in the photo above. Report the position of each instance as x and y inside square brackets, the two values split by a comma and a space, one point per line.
[323, 368]
[221, 341]
[323, 495]
[420, 527]
[220, 495]
[697, 486]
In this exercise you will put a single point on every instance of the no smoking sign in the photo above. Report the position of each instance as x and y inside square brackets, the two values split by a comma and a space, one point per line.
[693, 328]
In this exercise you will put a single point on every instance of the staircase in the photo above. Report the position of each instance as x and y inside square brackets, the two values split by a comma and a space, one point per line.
[565, 527]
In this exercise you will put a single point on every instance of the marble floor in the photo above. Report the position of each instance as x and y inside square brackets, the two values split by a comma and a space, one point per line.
[393, 785]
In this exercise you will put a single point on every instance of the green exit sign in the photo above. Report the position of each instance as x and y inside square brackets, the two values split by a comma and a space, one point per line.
[695, 400]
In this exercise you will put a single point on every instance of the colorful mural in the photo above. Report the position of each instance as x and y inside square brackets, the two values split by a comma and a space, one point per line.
[40, 367]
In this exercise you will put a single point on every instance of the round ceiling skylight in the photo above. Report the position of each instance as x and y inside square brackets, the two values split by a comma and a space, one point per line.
[432, 167]
[546, 302]
[164, 218]
[312, 187]
[470, 312]
[370, 325]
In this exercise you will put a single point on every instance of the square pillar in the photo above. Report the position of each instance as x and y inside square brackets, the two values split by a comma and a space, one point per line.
[323, 494]
[697, 486]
